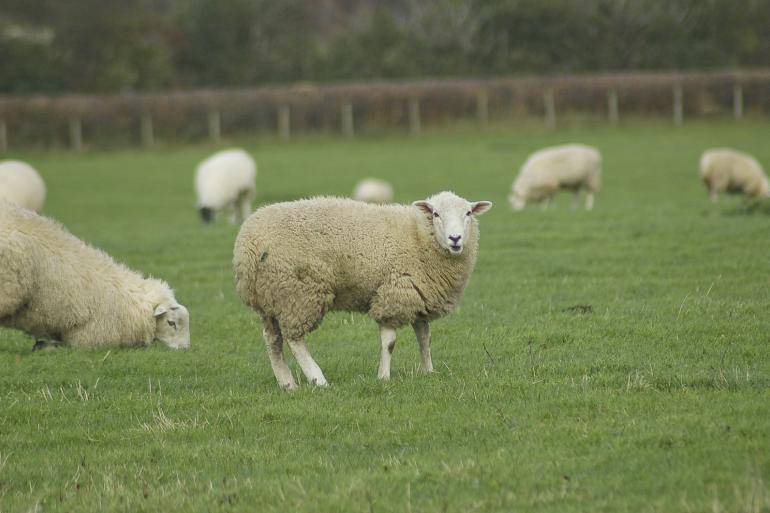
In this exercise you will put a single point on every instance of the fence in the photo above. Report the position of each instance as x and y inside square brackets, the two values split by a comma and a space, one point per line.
[349, 109]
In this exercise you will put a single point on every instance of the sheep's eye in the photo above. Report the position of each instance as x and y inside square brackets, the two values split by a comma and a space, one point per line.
[172, 324]
[435, 214]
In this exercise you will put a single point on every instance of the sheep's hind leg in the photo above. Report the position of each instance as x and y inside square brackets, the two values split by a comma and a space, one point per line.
[274, 343]
[422, 332]
[589, 200]
[309, 367]
[387, 344]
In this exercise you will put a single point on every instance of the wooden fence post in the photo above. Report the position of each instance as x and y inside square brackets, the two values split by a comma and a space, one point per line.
[146, 132]
[482, 108]
[678, 105]
[3, 136]
[550, 108]
[284, 123]
[738, 101]
[414, 116]
[215, 125]
[612, 106]
[347, 119]
[76, 134]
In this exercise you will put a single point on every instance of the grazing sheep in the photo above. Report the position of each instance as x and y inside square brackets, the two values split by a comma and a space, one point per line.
[571, 166]
[732, 171]
[22, 185]
[55, 287]
[373, 190]
[400, 264]
[226, 181]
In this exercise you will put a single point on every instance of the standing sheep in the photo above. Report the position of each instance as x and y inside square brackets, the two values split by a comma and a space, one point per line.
[728, 170]
[55, 287]
[571, 166]
[22, 185]
[226, 181]
[373, 190]
[399, 264]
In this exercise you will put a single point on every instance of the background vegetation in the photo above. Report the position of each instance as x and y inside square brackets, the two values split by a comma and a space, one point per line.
[136, 45]
[614, 360]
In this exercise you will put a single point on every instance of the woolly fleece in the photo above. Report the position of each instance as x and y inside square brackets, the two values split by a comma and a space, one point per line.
[729, 170]
[56, 287]
[571, 166]
[295, 261]
[22, 185]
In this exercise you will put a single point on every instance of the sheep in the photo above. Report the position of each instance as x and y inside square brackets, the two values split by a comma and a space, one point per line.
[57, 288]
[22, 185]
[226, 181]
[728, 170]
[400, 264]
[570, 166]
[373, 190]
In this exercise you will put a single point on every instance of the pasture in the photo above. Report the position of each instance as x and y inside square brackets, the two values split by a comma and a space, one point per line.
[613, 360]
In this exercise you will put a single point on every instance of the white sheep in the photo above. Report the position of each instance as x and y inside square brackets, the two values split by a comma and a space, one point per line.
[400, 264]
[57, 288]
[373, 190]
[226, 181]
[728, 170]
[22, 185]
[571, 166]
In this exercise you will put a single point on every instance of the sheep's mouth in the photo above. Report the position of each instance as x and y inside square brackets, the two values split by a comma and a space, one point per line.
[455, 249]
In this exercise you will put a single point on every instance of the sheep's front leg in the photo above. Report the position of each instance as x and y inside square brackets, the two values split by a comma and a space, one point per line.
[244, 207]
[589, 200]
[422, 332]
[576, 198]
[387, 343]
[274, 343]
[311, 369]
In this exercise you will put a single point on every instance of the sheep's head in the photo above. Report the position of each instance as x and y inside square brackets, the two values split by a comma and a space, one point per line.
[172, 325]
[451, 216]
[764, 188]
[517, 201]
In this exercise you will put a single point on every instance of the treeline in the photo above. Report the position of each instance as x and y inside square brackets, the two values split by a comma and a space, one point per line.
[51, 46]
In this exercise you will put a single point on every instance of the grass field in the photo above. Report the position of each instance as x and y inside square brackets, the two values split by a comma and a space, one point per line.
[651, 394]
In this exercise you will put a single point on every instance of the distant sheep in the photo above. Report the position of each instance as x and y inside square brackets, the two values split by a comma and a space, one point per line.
[226, 181]
[57, 288]
[22, 185]
[400, 264]
[373, 190]
[728, 170]
[545, 172]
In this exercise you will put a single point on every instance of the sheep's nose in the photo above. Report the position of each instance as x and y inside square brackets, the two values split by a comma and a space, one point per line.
[455, 238]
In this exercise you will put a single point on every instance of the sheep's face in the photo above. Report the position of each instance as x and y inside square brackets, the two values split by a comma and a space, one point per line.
[452, 217]
[172, 325]
[764, 189]
[516, 201]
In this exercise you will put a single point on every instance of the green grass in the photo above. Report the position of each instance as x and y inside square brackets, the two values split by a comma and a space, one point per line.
[656, 398]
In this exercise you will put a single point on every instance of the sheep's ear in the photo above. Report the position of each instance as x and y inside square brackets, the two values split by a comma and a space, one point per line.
[159, 310]
[424, 206]
[480, 207]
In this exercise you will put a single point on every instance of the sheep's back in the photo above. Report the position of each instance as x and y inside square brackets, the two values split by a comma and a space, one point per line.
[22, 185]
[349, 245]
[222, 176]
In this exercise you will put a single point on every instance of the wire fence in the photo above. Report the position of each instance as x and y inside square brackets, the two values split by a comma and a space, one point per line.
[79, 121]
